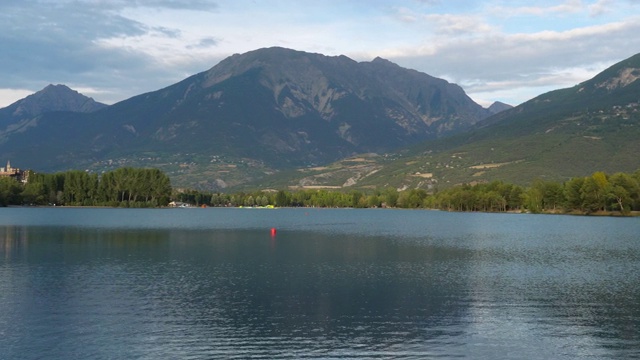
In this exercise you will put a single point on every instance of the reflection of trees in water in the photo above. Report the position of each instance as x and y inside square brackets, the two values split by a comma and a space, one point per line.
[313, 286]
[67, 242]
[306, 290]
[114, 244]
[13, 241]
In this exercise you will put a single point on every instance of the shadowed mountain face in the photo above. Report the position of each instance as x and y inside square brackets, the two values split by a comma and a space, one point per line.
[266, 110]
[22, 136]
[51, 98]
[573, 132]
[498, 106]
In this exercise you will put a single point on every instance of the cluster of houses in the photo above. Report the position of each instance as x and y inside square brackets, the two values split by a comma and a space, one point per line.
[15, 173]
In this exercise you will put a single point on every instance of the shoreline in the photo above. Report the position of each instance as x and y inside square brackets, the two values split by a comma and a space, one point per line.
[631, 214]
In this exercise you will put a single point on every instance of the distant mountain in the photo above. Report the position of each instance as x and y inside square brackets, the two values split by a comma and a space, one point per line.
[51, 98]
[252, 114]
[22, 116]
[498, 106]
[593, 126]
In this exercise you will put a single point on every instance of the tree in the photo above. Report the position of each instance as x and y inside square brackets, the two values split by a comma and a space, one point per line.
[390, 197]
[573, 194]
[532, 199]
[10, 191]
[249, 201]
[282, 199]
[623, 190]
[373, 201]
[514, 199]
[34, 193]
[356, 197]
[553, 195]
[412, 199]
[593, 192]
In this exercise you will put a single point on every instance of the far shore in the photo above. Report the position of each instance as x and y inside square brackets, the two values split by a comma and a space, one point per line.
[556, 212]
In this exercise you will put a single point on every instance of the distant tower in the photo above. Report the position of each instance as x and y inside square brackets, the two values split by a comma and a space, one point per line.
[8, 166]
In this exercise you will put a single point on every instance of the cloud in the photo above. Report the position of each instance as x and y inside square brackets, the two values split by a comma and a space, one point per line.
[12, 95]
[444, 23]
[204, 5]
[174, 4]
[87, 42]
[601, 7]
[568, 7]
[119, 48]
[499, 61]
[456, 25]
[204, 43]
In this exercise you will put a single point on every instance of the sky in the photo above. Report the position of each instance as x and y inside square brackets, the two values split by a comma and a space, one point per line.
[496, 50]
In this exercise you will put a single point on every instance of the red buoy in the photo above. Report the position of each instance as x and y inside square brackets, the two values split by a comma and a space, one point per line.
[273, 231]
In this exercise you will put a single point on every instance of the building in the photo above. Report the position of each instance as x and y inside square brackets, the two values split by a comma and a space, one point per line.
[17, 174]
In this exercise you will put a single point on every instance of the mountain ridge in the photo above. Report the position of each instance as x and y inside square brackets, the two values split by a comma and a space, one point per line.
[261, 112]
[592, 126]
[51, 98]
[274, 113]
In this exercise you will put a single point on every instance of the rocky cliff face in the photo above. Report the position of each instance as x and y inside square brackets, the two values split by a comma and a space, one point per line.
[304, 83]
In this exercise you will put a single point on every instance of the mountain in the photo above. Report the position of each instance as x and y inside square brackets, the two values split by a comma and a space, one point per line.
[51, 98]
[498, 106]
[252, 114]
[593, 126]
[22, 117]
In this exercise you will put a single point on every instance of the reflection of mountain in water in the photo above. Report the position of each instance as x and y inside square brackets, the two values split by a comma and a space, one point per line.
[308, 285]
[493, 286]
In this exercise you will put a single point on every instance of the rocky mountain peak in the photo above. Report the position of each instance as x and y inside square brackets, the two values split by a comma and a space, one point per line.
[498, 106]
[55, 98]
[381, 61]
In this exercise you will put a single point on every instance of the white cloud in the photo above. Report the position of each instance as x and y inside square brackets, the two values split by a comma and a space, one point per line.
[457, 25]
[9, 96]
[121, 48]
[601, 7]
[568, 7]
[546, 58]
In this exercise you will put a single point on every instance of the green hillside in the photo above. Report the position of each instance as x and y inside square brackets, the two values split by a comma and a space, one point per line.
[593, 126]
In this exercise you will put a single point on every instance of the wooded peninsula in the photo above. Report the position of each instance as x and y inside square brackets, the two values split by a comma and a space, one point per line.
[600, 193]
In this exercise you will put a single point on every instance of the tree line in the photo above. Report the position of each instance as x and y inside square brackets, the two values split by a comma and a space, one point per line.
[131, 187]
[123, 187]
[619, 192]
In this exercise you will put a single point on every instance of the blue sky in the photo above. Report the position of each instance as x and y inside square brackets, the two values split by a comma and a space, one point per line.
[504, 50]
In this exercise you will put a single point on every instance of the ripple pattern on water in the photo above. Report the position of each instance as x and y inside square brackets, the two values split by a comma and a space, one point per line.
[331, 285]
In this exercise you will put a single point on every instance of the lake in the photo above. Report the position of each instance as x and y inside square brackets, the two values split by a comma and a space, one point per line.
[93, 283]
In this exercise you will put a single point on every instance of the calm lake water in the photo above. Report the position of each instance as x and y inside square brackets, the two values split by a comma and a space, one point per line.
[331, 284]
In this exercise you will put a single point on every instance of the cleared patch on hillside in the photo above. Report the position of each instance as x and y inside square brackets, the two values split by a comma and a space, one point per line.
[314, 187]
[492, 166]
